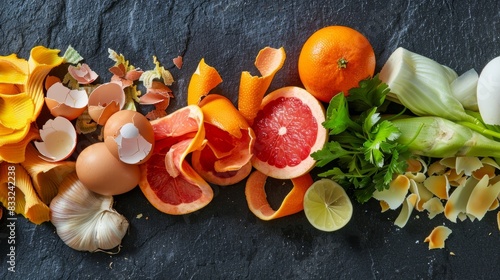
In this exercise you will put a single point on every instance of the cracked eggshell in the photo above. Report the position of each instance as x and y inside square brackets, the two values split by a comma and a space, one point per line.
[104, 174]
[65, 102]
[129, 136]
[104, 101]
[58, 139]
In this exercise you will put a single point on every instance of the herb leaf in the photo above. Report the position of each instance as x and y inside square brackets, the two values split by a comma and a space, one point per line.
[362, 148]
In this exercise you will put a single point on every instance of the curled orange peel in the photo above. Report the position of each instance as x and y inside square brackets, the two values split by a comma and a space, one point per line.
[252, 88]
[224, 160]
[257, 199]
[203, 80]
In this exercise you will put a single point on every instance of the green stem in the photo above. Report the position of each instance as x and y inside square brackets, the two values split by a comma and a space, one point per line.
[481, 129]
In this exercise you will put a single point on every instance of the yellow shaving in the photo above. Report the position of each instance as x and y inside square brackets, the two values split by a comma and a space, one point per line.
[47, 176]
[15, 153]
[41, 61]
[34, 209]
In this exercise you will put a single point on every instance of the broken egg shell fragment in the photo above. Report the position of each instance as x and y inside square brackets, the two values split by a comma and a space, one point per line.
[58, 139]
[65, 102]
[437, 237]
[129, 137]
[104, 101]
[82, 74]
[396, 193]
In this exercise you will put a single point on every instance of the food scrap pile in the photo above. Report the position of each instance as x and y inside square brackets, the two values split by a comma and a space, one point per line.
[415, 137]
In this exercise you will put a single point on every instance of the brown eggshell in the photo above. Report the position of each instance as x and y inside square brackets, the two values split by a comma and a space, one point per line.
[104, 174]
[104, 101]
[64, 102]
[112, 131]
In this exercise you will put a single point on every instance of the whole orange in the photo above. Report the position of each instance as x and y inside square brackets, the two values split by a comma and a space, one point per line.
[335, 59]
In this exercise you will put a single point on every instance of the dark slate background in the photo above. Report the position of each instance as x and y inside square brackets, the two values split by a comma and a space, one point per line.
[224, 240]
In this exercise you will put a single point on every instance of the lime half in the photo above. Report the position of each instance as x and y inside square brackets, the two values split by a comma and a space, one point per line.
[327, 206]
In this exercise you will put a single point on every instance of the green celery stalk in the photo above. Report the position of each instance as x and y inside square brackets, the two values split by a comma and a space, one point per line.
[438, 137]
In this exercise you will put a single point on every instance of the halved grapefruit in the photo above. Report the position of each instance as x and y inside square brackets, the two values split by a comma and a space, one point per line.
[288, 128]
[167, 180]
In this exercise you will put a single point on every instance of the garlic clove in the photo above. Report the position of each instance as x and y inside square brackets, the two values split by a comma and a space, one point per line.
[84, 220]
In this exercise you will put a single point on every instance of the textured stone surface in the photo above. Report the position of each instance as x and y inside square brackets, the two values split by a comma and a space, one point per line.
[224, 240]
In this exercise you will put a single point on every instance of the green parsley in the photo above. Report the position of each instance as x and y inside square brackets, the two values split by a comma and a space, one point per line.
[362, 145]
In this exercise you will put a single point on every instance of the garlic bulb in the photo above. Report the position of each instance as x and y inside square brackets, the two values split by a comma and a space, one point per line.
[84, 220]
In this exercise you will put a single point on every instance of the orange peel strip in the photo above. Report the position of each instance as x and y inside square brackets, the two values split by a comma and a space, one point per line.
[257, 201]
[203, 80]
[252, 88]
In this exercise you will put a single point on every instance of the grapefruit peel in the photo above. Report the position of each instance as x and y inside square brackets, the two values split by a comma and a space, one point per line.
[181, 189]
[225, 158]
[257, 200]
[203, 80]
[252, 88]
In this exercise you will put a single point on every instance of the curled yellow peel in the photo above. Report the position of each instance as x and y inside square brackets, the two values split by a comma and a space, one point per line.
[34, 209]
[47, 176]
[15, 152]
[13, 70]
[41, 61]
[17, 110]
[252, 88]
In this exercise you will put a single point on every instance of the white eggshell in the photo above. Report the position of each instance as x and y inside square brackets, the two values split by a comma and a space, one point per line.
[488, 92]
[58, 139]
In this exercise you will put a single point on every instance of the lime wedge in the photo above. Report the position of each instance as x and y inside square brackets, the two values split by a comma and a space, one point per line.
[327, 206]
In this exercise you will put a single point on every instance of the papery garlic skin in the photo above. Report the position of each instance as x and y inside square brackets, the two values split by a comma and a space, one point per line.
[84, 220]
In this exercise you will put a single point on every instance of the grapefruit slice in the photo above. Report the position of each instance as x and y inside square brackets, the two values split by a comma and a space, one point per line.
[257, 201]
[167, 180]
[288, 128]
